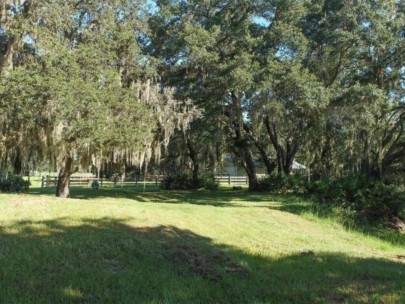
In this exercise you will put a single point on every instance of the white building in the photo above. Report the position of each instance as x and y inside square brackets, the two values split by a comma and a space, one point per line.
[230, 167]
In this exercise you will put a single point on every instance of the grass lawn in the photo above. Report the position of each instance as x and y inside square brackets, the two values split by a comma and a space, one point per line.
[123, 245]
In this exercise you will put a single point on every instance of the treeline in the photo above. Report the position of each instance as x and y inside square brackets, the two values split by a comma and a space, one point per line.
[176, 85]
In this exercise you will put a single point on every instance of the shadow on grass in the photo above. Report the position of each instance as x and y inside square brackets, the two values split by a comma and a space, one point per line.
[108, 261]
[223, 197]
[226, 197]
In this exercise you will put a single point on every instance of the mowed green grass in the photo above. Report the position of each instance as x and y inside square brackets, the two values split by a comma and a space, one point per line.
[123, 245]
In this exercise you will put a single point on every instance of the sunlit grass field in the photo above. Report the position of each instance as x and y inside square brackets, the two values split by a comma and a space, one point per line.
[127, 245]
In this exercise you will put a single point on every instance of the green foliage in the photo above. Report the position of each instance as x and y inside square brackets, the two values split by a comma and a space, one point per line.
[323, 191]
[84, 88]
[282, 184]
[184, 181]
[207, 181]
[95, 185]
[317, 80]
[180, 181]
[360, 197]
[14, 184]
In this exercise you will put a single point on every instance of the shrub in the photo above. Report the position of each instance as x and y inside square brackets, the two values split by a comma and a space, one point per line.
[207, 181]
[14, 184]
[180, 181]
[282, 183]
[184, 181]
[324, 191]
[360, 196]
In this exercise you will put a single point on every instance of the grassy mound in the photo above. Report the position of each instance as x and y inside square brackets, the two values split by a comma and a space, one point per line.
[123, 245]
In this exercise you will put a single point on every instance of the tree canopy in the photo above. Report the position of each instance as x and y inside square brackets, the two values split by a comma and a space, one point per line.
[320, 81]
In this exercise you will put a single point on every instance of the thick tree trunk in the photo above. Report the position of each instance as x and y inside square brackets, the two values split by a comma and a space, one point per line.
[17, 164]
[286, 153]
[287, 167]
[250, 168]
[62, 188]
[280, 156]
[270, 165]
[196, 167]
[243, 151]
[274, 140]
[123, 170]
[196, 180]
[3, 167]
[289, 158]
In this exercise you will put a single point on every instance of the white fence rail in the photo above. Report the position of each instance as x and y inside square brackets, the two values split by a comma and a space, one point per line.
[227, 179]
[83, 180]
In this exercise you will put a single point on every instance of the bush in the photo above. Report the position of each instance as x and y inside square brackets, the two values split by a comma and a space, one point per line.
[207, 181]
[184, 181]
[324, 191]
[14, 184]
[180, 181]
[282, 183]
[360, 196]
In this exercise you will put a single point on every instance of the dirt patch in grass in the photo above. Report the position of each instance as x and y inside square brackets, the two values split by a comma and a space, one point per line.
[401, 258]
[113, 265]
[396, 223]
[209, 264]
[339, 299]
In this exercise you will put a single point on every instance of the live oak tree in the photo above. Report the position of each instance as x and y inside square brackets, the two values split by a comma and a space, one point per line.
[18, 103]
[196, 150]
[287, 100]
[89, 87]
[208, 51]
[286, 113]
[356, 49]
[77, 100]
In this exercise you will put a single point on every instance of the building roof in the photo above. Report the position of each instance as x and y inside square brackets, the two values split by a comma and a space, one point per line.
[298, 166]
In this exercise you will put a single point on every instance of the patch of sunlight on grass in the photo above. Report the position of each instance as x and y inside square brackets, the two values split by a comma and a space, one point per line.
[72, 293]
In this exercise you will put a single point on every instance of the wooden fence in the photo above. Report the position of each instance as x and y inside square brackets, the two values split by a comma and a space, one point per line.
[227, 179]
[48, 181]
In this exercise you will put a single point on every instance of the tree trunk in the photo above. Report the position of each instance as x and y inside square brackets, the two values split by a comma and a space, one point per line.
[270, 165]
[280, 158]
[196, 180]
[196, 167]
[250, 168]
[289, 158]
[271, 131]
[123, 170]
[365, 160]
[242, 149]
[18, 164]
[62, 188]
[241, 144]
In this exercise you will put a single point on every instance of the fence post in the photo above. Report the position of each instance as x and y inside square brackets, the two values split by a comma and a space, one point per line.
[229, 179]
[42, 181]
